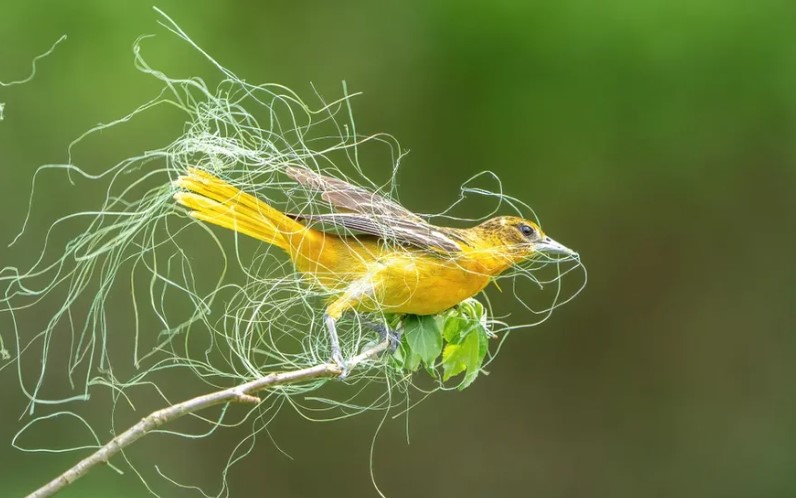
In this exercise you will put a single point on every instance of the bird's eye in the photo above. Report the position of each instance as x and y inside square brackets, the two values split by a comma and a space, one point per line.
[527, 230]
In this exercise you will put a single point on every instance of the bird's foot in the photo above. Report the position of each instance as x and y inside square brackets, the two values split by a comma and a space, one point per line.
[337, 359]
[337, 356]
[386, 333]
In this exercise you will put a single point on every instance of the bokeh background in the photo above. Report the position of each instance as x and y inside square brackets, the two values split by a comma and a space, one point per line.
[658, 138]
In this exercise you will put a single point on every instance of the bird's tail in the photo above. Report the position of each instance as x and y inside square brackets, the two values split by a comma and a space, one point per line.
[213, 200]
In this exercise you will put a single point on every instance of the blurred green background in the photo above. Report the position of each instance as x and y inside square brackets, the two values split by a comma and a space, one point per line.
[658, 138]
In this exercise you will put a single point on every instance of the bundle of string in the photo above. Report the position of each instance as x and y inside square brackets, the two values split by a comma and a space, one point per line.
[228, 309]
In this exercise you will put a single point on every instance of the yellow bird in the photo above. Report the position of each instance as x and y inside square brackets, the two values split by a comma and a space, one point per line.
[387, 258]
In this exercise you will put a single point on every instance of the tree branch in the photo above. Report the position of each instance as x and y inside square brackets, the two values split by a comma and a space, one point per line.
[242, 393]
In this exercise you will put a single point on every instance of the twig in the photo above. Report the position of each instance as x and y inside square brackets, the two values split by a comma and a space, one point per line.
[243, 393]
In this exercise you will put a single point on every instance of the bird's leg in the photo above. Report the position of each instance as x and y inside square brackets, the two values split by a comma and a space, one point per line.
[331, 329]
[348, 300]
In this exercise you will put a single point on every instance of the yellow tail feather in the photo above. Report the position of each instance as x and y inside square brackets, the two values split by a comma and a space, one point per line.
[215, 201]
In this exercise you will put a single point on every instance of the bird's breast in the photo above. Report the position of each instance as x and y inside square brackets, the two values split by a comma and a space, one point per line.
[425, 285]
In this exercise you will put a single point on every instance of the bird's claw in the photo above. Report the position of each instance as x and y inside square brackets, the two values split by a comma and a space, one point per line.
[386, 333]
[337, 359]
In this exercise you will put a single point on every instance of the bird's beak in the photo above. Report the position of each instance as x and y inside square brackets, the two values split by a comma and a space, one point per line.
[550, 246]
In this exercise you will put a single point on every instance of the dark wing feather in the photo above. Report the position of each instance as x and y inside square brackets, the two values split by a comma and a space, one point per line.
[388, 228]
[345, 196]
[372, 213]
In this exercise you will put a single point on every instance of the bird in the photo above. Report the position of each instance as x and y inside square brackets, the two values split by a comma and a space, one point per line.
[370, 253]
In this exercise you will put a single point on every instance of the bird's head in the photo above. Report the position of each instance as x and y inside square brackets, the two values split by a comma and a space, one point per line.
[521, 237]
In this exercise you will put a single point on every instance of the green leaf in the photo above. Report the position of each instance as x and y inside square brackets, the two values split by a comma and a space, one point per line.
[412, 362]
[472, 309]
[399, 355]
[457, 358]
[483, 346]
[483, 342]
[455, 326]
[404, 358]
[424, 336]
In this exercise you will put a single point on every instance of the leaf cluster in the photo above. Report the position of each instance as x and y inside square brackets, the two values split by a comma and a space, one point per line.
[447, 344]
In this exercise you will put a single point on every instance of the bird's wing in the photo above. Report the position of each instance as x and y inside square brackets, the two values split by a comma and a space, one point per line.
[424, 236]
[371, 213]
[347, 197]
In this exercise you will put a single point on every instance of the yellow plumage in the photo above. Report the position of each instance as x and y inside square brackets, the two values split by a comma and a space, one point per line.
[402, 276]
